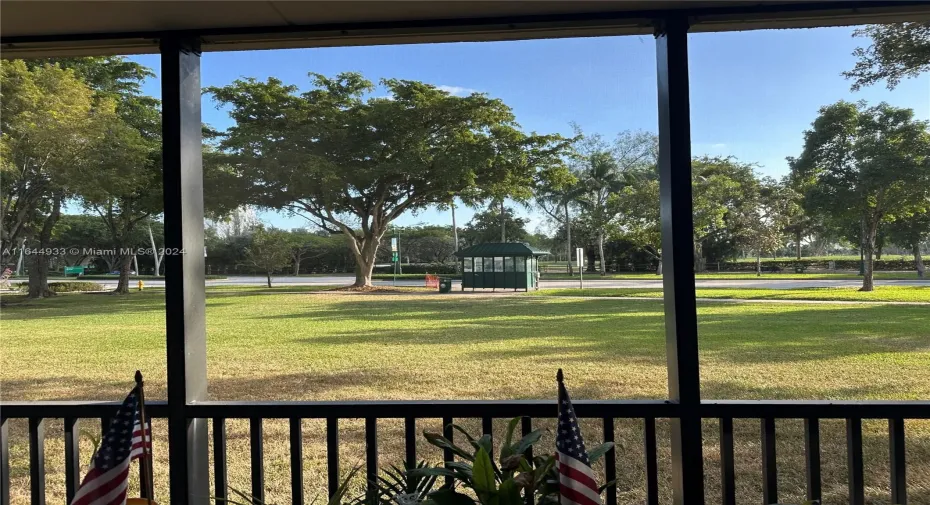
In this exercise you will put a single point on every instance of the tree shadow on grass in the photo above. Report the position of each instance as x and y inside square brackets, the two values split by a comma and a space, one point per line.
[741, 335]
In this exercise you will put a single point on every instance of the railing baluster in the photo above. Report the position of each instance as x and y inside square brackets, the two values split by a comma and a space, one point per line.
[371, 454]
[410, 446]
[610, 462]
[447, 454]
[258, 465]
[526, 426]
[104, 427]
[410, 441]
[297, 462]
[769, 464]
[332, 454]
[37, 459]
[727, 465]
[898, 463]
[652, 462]
[854, 461]
[4, 462]
[220, 479]
[72, 457]
[812, 456]
[487, 426]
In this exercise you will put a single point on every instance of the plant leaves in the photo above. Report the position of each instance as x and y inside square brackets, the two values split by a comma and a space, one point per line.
[483, 473]
[511, 426]
[486, 443]
[599, 451]
[448, 496]
[444, 443]
[527, 441]
[509, 493]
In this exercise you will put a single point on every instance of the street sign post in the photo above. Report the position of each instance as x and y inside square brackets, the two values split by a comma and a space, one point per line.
[579, 261]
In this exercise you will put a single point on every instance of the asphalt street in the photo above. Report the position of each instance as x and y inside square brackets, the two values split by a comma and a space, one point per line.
[342, 280]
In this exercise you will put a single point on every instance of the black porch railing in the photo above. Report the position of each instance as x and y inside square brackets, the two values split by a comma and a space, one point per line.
[811, 412]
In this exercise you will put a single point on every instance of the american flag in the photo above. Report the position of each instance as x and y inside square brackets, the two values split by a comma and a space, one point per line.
[576, 479]
[108, 475]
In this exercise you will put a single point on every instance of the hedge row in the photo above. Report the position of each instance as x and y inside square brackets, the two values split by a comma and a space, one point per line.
[791, 264]
[108, 277]
[67, 287]
[438, 268]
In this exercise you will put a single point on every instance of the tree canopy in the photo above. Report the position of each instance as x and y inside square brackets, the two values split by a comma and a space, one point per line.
[865, 166]
[352, 163]
[898, 51]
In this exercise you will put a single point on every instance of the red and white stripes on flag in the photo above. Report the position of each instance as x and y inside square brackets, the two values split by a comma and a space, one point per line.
[108, 475]
[577, 485]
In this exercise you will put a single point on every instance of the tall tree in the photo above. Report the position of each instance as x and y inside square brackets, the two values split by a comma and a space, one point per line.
[485, 226]
[762, 225]
[604, 169]
[912, 231]
[723, 189]
[638, 207]
[557, 198]
[353, 165]
[898, 51]
[269, 250]
[866, 165]
[52, 128]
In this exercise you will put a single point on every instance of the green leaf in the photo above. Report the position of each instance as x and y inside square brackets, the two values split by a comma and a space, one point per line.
[448, 496]
[599, 451]
[483, 473]
[486, 443]
[462, 467]
[511, 426]
[425, 472]
[527, 441]
[509, 493]
[444, 443]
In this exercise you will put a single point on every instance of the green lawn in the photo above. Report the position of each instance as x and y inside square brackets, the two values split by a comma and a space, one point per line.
[344, 346]
[919, 294]
[748, 276]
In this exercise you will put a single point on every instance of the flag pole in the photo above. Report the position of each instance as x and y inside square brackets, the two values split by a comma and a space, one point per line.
[146, 483]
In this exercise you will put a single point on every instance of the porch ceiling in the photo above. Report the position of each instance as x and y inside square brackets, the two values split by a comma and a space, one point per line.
[32, 29]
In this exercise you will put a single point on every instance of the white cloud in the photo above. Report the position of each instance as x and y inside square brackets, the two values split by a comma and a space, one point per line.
[456, 90]
[718, 146]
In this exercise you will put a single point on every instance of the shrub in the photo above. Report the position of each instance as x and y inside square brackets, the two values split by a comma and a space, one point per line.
[67, 287]
[420, 268]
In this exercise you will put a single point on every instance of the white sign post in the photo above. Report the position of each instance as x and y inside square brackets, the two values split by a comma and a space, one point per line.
[579, 261]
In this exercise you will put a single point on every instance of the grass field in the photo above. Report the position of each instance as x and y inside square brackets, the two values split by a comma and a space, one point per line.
[267, 345]
[748, 276]
[916, 294]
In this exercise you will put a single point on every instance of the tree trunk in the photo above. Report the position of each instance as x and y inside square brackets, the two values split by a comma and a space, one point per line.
[455, 237]
[135, 264]
[919, 261]
[296, 266]
[503, 223]
[365, 251]
[868, 251]
[659, 268]
[568, 240]
[600, 252]
[38, 274]
[797, 242]
[155, 255]
[758, 265]
[878, 253]
[122, 287]
[268, 277]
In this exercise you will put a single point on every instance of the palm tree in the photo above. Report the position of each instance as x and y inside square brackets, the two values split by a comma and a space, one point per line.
[601, 178]
[556, 201]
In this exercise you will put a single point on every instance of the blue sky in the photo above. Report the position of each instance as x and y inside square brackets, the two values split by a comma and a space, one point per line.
[752, 93]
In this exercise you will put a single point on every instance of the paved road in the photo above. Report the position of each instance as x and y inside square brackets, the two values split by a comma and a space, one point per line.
[340, 280]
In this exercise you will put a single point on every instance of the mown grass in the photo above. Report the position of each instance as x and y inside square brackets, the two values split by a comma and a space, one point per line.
[747, 276]
[339, 346]
[919, 294]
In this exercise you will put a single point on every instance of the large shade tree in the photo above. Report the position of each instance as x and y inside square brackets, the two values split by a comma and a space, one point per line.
[351, 163]
[53, 128]
[867, 165]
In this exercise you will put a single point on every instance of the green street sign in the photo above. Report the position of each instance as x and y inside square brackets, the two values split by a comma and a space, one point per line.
[394, 257]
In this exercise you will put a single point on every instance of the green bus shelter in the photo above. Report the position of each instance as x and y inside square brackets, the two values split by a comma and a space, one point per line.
[502, 265]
